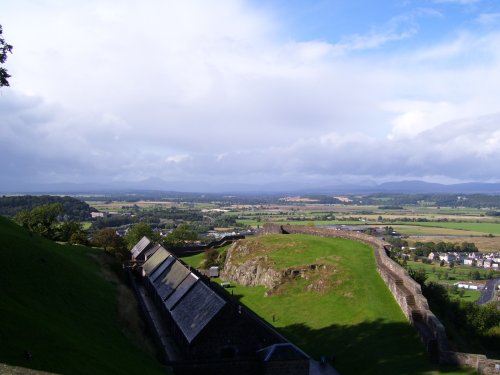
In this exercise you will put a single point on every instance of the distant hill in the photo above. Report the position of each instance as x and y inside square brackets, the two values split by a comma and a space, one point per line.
[427, 187]
[73, 209]
[291, 187]
[55, 304]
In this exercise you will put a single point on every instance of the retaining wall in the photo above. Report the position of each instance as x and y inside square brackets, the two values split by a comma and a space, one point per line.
[408, 295]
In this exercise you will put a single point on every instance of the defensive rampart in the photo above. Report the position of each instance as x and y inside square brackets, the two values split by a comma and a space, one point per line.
[408, 295]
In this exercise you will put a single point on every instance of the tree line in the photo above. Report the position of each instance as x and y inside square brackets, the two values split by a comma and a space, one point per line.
[72, 208]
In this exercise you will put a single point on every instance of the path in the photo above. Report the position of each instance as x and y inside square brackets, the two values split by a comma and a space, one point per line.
[488, 293]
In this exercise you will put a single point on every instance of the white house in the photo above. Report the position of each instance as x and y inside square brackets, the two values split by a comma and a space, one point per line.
[468, 261]
[469, 285]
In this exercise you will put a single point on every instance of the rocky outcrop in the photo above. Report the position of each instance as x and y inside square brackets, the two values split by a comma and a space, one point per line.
[260, 270]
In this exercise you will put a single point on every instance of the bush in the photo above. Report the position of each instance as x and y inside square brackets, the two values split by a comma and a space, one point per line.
[211, 258]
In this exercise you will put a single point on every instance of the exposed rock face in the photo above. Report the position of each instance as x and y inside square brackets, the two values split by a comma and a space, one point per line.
[260, 270]
[255, 271]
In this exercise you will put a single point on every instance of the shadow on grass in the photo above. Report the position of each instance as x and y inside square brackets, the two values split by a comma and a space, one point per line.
[375, 347]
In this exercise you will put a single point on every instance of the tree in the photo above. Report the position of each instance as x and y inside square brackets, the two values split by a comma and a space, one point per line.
[179, 236]
[475, 275]
[109, 240]
[211, 258]
[41, 219]
[67, 229]
[418, 275]
[4, 49]
[136, 232]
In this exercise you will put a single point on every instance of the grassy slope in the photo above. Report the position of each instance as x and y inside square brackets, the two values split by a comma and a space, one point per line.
[357, 322]
[54, 303]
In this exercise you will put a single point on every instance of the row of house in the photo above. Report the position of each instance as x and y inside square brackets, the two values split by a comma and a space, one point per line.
[213, 333]
[483, 260]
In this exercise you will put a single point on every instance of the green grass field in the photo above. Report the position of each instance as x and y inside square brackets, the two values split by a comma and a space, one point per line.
[356, 321]
[55, 303]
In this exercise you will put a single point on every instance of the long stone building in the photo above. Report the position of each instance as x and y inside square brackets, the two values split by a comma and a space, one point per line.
[213, 333]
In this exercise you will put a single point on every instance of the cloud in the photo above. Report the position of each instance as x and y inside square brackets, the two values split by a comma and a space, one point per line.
[461, 2]
[488, 19]
[191, 91]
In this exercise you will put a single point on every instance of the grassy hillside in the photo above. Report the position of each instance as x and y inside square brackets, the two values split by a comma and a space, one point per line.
[355, 321]
[55, 303]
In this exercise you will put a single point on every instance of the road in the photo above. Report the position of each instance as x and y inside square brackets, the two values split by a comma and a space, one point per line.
[488, 292]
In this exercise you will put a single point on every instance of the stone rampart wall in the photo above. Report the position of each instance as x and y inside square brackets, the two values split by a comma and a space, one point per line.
[408, 295]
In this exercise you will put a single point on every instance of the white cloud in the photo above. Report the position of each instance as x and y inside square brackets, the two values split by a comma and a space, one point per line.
[461, 2]
[488, 19]
[196, 91]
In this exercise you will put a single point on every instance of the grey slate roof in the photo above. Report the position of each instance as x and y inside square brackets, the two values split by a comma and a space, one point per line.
[159, 270]
[150, 251]
[282, 352]
[171, 278]
[140, 247]
[196, 310]
[181, 290]
[155, 260]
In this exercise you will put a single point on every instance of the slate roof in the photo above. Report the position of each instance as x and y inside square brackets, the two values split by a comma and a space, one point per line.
[181, 290]
[159, 270]
[282, 352]
[170, 279]
[140, 246]
[155, 260]
[196, 309]
[150, 251]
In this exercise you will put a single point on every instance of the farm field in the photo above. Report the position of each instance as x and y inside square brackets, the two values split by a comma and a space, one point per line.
[357, 314]
[56, 304]
[485, 228]
[422, 230]
[120, 206]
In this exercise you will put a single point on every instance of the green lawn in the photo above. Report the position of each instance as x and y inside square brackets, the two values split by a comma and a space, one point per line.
[55, 303]
[194, 261]
[356, 322]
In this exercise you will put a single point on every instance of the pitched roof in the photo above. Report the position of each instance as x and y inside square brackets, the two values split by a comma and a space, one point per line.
[169, 280]
[196, 309]
[282, 352]
[181, 290]
[140, 247]
[150, 251]
[159, 270]
[155, 260]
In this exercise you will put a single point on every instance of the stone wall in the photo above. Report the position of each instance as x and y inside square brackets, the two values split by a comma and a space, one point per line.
[408, 295]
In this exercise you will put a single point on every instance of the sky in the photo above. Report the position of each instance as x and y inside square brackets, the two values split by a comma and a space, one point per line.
[286, 93]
